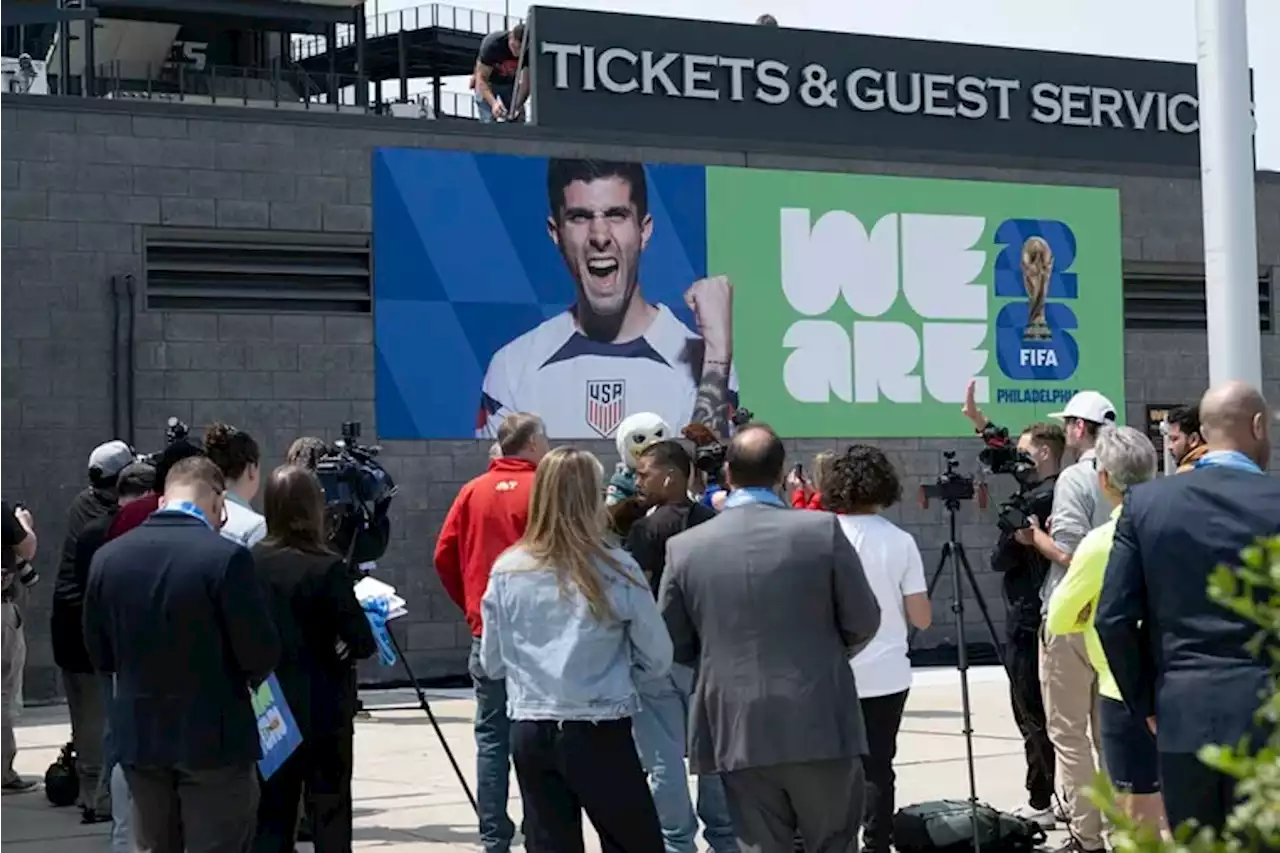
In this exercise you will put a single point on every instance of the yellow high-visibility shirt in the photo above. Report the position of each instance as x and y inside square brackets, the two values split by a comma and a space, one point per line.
[1075, 601]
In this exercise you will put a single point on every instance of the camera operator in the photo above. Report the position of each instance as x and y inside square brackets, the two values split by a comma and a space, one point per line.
[19, 549]
[1068, 681]
[1025, 569]
[85, 700]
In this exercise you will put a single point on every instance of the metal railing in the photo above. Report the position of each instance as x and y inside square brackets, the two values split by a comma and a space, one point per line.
[407, 20]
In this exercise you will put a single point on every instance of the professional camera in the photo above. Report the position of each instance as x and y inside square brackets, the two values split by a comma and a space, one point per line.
[357, 494]
[23, 572]
[951, 488]
[709, 451]
[1001, 456]
[175, 432]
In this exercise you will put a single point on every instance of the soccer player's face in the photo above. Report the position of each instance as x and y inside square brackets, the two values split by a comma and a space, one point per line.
[601, 235]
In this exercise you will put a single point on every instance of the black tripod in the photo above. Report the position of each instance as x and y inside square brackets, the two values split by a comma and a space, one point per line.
[354, 571]
[953, 488]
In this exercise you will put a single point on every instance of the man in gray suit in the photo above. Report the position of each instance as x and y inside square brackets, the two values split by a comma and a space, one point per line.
[769, 604]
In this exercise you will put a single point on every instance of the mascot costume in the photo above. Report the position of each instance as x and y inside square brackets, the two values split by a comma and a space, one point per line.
[635, 434]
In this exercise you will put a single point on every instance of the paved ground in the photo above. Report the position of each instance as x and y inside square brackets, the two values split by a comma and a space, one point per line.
[407, 796]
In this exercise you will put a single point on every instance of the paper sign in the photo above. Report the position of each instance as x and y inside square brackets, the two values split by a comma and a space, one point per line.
[277, 730]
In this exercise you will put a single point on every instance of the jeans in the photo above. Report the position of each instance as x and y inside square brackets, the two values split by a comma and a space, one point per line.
[567, 768]
[493, 756]
[882, 716]
[506, 93]
[121, 812]
[660, 735]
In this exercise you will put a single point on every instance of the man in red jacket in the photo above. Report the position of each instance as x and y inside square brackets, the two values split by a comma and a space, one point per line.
[488, 517]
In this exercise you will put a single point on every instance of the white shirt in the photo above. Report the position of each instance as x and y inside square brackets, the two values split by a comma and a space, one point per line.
[583, 388]
[244, 524]
[891, 560]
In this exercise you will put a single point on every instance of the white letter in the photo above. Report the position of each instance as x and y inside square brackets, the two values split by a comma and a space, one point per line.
[876, 101]
[697, 70]
[606, 78]
[973, 97]
[895, 103]
[1111, 109]
[1075, 105]
[736, 66]
[588, 68]
[1003, 88]
[935, 94]
[1138, 113]
[952, 358]
[562, 52]
[884, 357]
[771, 82]
[1045, 106]
[651, 71]
[820, 362]
[836, 255]
[940, 264]
[1175, 120]
[1162, 111]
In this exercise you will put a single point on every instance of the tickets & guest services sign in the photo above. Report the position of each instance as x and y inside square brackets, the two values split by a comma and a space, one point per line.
[659, 76]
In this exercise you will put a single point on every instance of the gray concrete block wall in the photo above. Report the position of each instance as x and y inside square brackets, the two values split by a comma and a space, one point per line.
[82, 182]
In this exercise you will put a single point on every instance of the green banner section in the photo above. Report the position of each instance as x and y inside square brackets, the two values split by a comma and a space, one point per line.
[864, 304]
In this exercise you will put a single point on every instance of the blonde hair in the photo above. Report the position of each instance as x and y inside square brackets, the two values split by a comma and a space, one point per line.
[821, 465]
[568, 526]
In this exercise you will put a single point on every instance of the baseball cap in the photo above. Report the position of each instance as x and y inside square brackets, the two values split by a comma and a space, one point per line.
[108, 460]
[1088, 406]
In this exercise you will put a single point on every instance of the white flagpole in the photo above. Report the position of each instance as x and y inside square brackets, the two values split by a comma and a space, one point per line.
[1227, 187]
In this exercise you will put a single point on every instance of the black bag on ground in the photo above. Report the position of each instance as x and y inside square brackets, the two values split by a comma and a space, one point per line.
[61, 781]
[946, 826]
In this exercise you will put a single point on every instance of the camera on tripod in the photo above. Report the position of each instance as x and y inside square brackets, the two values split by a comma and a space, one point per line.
[357, 495]
[952, 487]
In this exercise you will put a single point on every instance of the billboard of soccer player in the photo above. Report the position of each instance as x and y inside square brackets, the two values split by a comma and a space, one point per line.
[576, 289]
[849, 305]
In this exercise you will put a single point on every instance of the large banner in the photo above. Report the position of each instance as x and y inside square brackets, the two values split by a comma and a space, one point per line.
[831, 305]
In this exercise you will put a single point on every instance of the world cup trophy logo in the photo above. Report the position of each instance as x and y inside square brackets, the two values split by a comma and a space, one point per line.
[1037, 269]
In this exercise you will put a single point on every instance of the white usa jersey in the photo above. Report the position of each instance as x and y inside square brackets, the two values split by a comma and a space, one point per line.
[583, 388]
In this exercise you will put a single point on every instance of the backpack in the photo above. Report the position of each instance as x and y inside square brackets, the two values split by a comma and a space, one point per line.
[946, 826]
[61, 781]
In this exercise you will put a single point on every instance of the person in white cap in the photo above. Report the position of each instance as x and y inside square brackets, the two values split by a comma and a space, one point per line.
[85, 700]
[1067, 680]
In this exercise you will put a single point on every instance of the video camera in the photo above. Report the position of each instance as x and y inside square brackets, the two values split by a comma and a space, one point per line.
[357, 494]
[709, 458]
[952, 487]
[1001, 456]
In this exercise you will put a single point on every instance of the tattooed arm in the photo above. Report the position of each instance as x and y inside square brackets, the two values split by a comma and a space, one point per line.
[712, 404]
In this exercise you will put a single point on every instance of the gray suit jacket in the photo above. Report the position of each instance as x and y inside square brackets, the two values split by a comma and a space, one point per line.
[769, 604]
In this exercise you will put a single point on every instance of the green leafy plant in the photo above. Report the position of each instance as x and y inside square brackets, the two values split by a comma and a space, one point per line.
[1253, 591]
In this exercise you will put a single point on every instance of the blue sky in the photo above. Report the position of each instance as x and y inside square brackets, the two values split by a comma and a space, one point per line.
[1146, 29]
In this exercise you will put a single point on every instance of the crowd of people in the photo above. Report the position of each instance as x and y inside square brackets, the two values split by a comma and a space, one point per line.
[770, 646]
[174, 597]
[762, 637]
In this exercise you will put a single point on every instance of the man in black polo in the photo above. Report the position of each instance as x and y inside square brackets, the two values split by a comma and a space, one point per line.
[497, 67]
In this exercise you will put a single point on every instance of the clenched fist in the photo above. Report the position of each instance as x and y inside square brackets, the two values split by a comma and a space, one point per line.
[711, 300]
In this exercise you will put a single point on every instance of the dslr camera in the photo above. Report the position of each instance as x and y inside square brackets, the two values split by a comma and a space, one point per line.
[709, 458]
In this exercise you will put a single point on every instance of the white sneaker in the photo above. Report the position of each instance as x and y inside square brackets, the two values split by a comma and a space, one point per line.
[1042, 818]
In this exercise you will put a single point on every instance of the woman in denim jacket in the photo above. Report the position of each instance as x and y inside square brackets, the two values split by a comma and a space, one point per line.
[568, 621]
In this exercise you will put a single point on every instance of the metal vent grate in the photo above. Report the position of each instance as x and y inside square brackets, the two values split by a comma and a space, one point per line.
[205, 269]
[1170, 297]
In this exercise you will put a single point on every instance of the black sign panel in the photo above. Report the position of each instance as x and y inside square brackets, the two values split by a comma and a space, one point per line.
[658, 76]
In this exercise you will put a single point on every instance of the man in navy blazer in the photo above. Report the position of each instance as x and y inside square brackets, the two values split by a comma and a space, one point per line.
[1178, 657]
[173, 610]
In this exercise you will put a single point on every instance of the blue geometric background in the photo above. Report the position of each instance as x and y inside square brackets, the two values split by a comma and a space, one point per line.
[463, 264]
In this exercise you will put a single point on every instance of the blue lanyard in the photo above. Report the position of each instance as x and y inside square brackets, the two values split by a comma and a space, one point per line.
[1228, 459]
[186, 508]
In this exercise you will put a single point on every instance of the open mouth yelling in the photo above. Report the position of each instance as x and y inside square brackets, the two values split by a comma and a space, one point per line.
[603, 275]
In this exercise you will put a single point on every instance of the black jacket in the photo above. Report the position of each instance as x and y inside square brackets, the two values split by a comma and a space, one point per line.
[176, 612]
[1023, 567]
[1174, 652]
[66, 622]
[314, 606]
[92, 503]
[647, 538]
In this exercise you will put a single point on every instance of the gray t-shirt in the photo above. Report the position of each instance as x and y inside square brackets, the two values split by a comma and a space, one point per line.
[1078, 506]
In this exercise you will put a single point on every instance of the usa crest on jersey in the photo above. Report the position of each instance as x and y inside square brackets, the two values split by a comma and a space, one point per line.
[606, 405]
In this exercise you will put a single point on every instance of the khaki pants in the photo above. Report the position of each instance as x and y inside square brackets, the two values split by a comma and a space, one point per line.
[1070, 688]
[14, 655]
